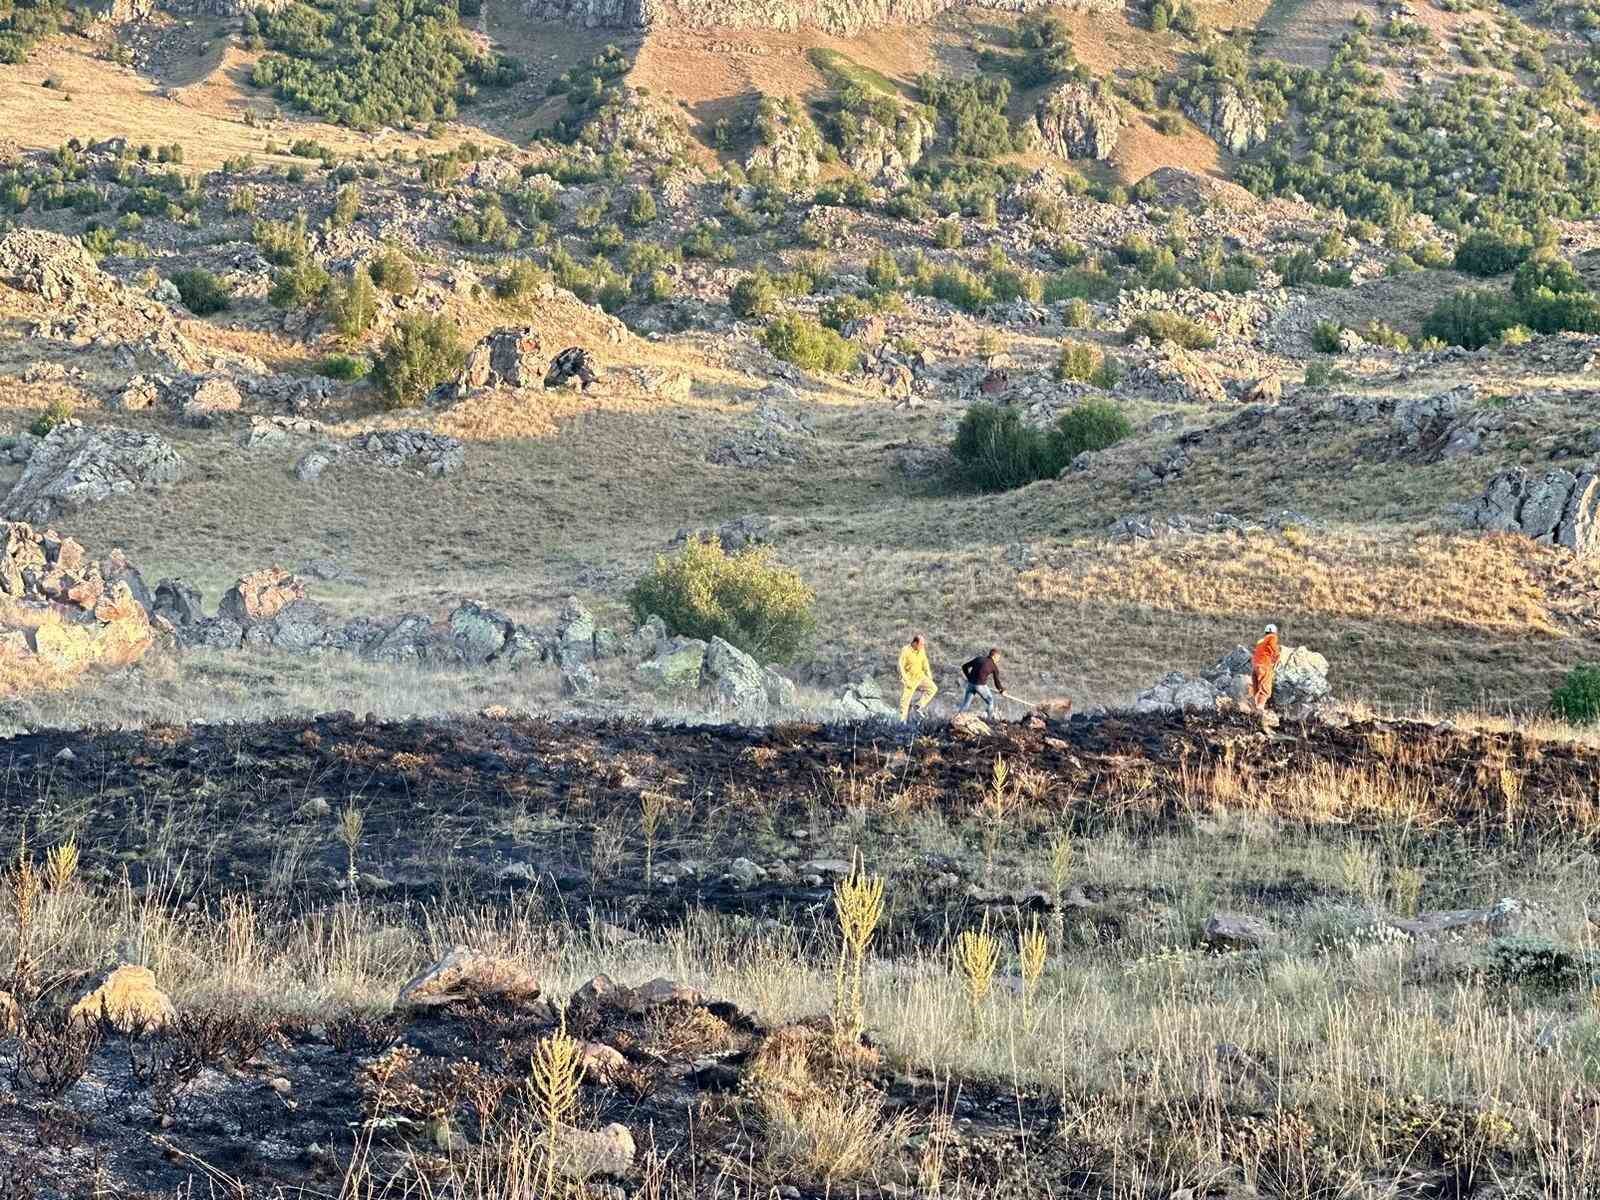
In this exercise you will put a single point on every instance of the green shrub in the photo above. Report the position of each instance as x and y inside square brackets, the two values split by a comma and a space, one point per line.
[1471, 317]
[521, 279]
[746, 599]
[882, 271]
[1487, 253]
[808, 345]
[393, 272]
[1170, 327]
[1325, 337]
[344, 366]
[997, 452]
[299, 286]
[947, 234]
[1084, 363]
[420, 354]
[1577, 699]
[1091, 425]
[346, 205]
[840, 311]
[1078, 314]
[57, 412]
[642, 208]
[353, 305]
[202, 292]
[1554, 312]
[755, 295]
[1547, 273]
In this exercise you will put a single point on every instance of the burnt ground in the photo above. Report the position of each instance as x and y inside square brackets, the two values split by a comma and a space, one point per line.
[535, 815]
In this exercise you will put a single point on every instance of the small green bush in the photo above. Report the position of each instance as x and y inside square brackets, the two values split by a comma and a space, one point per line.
[1576, 699]
[299, 286]
[642, 208]
[947, 234]
[521, 279]
[393, 272]
[1471, 317]
[353, 305]
[1547, 273]
[1325, 337]
[810, 346]
[1084, 363]
[746, 599]
[420, 354]
[202, 292]
[1170, 327]
[1487, 253]
[344, 366]
[755, 295]
[57, 412]
[1078, 314]
[1092, 425]
[997, 452]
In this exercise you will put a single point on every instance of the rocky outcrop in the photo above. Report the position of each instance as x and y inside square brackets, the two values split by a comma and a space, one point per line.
[1300, 687]
[1556, 508]
[53, 267]
[719, 676]
[640, 125]
[78, 464]
[430, 454]
[1169, 374]
[64, 612]
[788, 144]
[862, 700]
[1235, 121]
[883, 154]
[1080, 120]
[832, 16]
[513, 358]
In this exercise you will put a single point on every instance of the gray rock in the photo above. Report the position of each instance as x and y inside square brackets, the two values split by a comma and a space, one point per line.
[782, 695]
[1230, 931]
[1080, 120]
[744, 873]
[481, 632]
[1235, 121]
[578, 682]
[736, 680]
[1556, 508]
[77, 465]
[312, 464]
[675, 668]
[178, 602]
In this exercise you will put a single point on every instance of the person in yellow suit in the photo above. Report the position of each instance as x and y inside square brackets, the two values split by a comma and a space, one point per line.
[916, 678]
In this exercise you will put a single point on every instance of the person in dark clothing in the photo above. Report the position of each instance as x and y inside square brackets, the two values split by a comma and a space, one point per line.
[983, 679]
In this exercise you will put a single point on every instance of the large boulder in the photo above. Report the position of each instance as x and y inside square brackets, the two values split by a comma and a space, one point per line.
[788, 144]
[77, 465]
[1556, 508]
[1300, 687]
[127, 998]
[1080, 120]
[674, 670]
[260, 596]
[53, 267]
[64, 611]
[736, 680]
[1236, 122]
[512, 357]
[482, 632]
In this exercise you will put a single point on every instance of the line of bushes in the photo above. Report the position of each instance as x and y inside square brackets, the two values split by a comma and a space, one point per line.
[995, 451]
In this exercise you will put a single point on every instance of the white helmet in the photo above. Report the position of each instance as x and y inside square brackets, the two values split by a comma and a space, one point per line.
[1272, 629]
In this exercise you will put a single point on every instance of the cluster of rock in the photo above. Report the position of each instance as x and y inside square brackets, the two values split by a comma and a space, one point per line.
[716, 675]
[1080, 120]
[884, 155]
[1146, 527]
[789, 146]
[511, 358]
[268, 610]
[862, 700]
[1235, 121]
[55, 268]
[430, 454]
[638, 124]
[1434, 428]
[846, 19]
[77, 464]
[1556, 508]
[62, 610]
[203, 398]
[1300, 688]
[1169, 374]
[776, 438]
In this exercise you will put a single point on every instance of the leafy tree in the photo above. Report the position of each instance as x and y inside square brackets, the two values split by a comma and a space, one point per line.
[806, 344]
[1577, 698]
[1471, 317]
[755, 295]
[421, 353]
[393, 272]
[202, 292]
[353, 306]
[747, 599]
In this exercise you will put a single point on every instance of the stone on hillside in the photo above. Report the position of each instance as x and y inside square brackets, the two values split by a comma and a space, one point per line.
[878, 153]
[736, 680]
[661, 990]
[128, 998]
[75, 465]
[310, 466]
[1301, 681]
[674, 671]
[1300, 687]
[788, 148]
[1266, 390]
[781, 692]
[512, 357]
[60, 608]
[601, 1062]
[1556, 508]
[1503, 917]
[745, 874]
[1235, 121]
[139, 393]
[431, 454]
[260, 596]
[967, 725]
[578, 682]
[481, 632]
[1230, 931]
[1080, 120]
[1169, 374]
[53, 267]
[642, 642]
[466, 974]
[206, 399]
[586, 1153]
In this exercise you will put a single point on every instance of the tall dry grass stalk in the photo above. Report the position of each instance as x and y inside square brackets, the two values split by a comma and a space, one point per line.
[858, 906]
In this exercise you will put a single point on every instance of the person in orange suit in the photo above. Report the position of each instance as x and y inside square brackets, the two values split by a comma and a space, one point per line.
[1263, 666]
